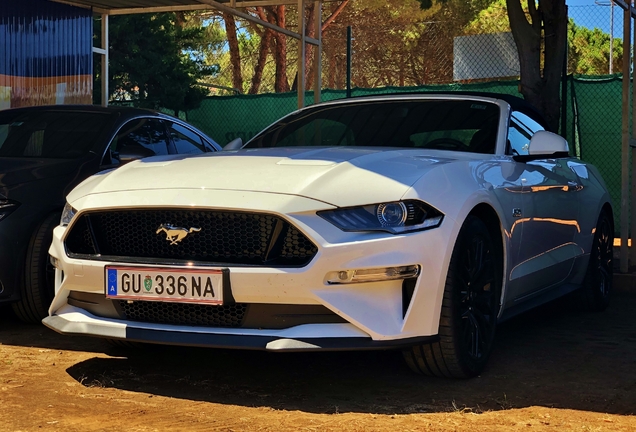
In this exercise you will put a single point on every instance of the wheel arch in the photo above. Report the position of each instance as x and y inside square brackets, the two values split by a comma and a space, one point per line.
[607, 207]
[488, 215]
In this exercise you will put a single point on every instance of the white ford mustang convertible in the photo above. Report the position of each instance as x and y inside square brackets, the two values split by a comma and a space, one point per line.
[413, 222]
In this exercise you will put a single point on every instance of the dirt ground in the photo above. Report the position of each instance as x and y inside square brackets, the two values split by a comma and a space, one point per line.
[552, 369]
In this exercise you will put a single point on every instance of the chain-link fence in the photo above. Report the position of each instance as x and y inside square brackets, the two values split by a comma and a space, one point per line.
[449, 58]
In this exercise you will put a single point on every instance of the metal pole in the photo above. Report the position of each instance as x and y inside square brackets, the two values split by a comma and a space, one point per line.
[301, 54]
[611, 47]
[348, 61]
[564, 92]
[318, 52]
[632, 249]
[625, 151]
[105, 72]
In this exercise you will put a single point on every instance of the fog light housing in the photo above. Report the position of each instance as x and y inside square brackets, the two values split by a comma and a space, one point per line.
[373, 275]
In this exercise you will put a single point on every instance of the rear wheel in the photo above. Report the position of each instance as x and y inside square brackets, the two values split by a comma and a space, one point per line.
[38, 284]
[469, 309]
[597, 285]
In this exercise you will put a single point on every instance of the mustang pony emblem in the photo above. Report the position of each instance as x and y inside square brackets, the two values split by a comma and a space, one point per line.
[175, 234]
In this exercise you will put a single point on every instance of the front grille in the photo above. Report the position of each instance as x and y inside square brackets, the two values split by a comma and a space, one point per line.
[224, 237]
[243, 315]
[184, 313]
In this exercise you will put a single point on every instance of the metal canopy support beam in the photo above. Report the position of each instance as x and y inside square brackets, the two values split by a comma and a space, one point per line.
[105, 72]
[632, 250]
[231, 9]
[195, 5]
[625, 150]
[233, 5]
[249, 17]
[103, 51]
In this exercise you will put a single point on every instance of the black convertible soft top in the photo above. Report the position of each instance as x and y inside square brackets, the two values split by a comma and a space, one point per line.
[515, 102]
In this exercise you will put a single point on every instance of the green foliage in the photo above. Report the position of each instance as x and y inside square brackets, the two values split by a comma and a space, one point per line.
[588, 49]
[157, 59]
[493, 19]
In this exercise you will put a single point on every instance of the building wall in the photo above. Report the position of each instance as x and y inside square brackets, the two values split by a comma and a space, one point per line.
[45, 54]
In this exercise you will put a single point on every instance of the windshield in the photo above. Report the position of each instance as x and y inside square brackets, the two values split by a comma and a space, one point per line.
[458, 125]
[49, 134]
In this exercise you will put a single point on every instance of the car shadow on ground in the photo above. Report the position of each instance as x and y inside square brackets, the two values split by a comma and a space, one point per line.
[554, 356]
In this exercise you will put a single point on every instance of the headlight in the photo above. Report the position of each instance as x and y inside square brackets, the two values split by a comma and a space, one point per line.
[7, 206]
[67, 215]
[394, 217]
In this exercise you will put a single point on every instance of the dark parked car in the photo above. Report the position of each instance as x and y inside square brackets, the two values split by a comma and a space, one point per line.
[44, 153]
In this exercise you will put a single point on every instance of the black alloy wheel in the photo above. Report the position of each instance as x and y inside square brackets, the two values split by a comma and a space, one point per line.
[469, 308]
[597, 285]
[478, 304]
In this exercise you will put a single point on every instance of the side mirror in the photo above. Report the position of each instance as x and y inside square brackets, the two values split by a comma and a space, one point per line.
[546, 143]
[133, 152]
[235, 144]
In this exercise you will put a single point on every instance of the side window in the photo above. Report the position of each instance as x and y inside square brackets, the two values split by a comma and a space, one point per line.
[185, 140]
[520, 132]
[148, 133]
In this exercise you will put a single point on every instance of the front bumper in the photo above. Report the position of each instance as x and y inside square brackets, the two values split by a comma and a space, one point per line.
[333, 337]
[374, 314]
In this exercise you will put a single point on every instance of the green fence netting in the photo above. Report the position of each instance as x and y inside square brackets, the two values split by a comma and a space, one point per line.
[598, 105]
[593, 123]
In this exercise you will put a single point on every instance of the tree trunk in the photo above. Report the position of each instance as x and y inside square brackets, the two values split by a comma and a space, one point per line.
[276, 15]
[540, 87]
[235, 56]
[266, 39]
[310, 30]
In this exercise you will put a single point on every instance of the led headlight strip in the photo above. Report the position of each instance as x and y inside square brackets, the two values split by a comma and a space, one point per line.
[393, 217]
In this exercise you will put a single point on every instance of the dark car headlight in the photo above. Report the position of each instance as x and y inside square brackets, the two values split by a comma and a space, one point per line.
[7, 207]
[393, 217]
[67, 214]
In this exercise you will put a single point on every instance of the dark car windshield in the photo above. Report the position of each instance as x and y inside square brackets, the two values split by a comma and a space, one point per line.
[460, 125]
[49, 134]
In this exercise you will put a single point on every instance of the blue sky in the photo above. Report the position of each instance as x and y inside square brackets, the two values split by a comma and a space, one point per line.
[596, 13]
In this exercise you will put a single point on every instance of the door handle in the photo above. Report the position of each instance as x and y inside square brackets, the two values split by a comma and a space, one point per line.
[573, 186]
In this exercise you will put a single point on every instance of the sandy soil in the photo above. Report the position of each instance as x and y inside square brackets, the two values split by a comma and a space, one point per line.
[552, 369]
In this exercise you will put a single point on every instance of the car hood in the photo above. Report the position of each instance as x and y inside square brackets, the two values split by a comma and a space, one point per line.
[337, 176]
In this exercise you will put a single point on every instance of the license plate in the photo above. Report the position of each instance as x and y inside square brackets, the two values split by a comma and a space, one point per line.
[165, 284]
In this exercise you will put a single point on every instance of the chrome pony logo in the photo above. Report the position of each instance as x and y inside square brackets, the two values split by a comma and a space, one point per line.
[175, 234]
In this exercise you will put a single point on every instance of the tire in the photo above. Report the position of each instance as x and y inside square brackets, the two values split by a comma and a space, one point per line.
[597, 285]
[469, 309]
[38, 283]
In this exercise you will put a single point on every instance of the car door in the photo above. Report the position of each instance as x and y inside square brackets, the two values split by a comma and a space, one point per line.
[548, 220]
